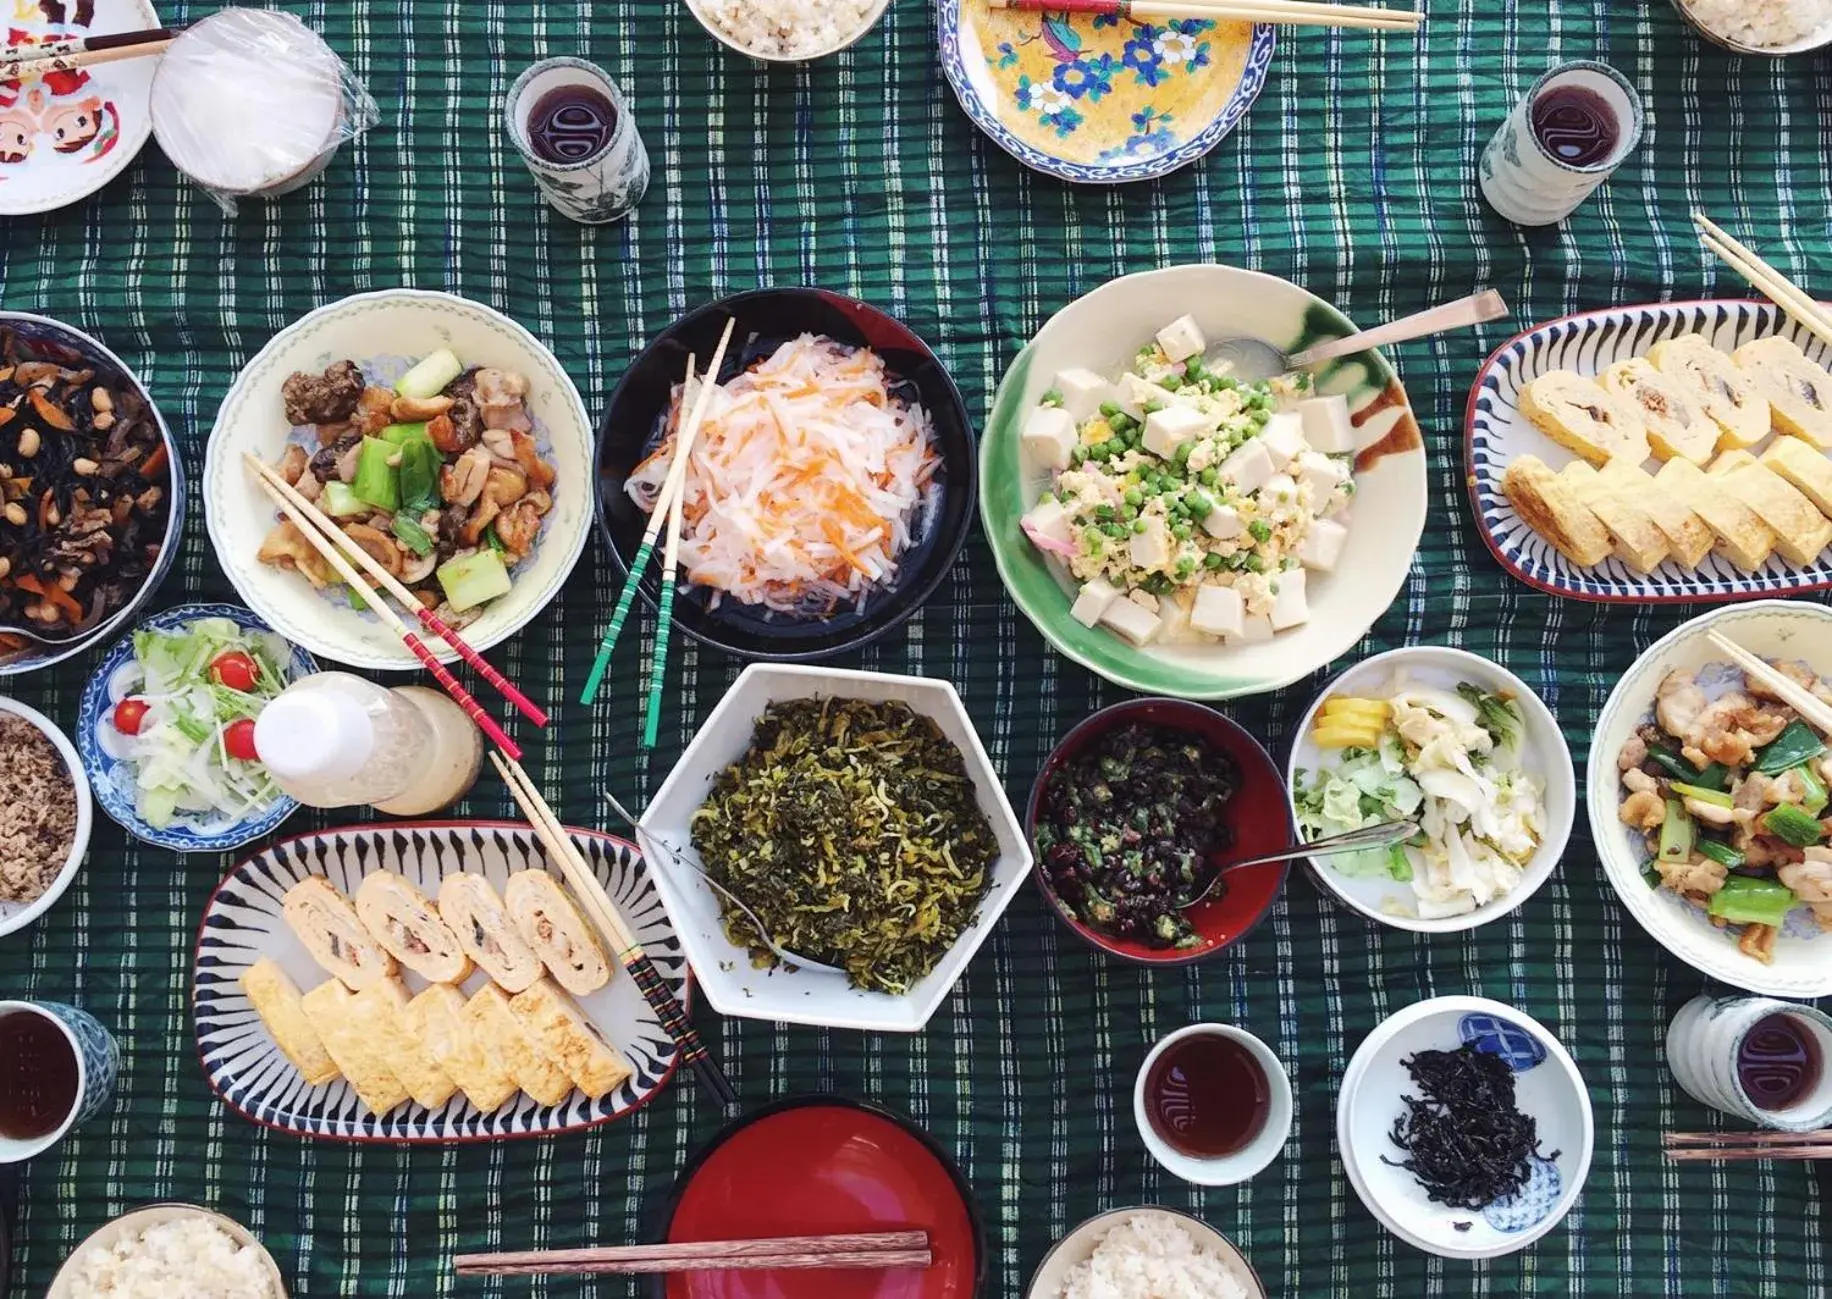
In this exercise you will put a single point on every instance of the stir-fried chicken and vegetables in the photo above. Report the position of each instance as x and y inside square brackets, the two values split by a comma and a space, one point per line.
[1729, 791]
[438, 478]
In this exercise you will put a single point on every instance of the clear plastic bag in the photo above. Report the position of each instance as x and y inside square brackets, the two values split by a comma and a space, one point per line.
[252, 103]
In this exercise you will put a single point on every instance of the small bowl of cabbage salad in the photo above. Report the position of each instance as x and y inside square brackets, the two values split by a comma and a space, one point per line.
[1460, 745]
[1189, 507]
[165, 730]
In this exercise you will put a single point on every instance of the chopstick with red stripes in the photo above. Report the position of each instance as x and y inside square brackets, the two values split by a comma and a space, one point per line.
[393, 585]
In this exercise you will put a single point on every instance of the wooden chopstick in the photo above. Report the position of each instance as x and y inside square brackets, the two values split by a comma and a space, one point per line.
[12, 57]
[603, 912]
[881, 1249]
[395, 587]
[414, 644]
[1780, 290]
[673, 484]
[1744, 1147]
[1295, 13]
[26, 69]
[1811, 708]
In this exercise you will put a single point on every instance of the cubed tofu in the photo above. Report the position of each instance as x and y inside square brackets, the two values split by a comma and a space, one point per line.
[1135, 394]
[1173, 621]
[1049, 436]
[1135, 622]
[1093, 601]
[1280, 489]
[1248, 468]
[1218, 612]
[1049, 519]
[1170, 428]
[1223, 523]
[1322, 545]
[1254, 630]
[1151, 548]
[1327, 426]
[1291, 605]
[1283, 438]
[1182, 339]
[1082, 391]
[1322, 473]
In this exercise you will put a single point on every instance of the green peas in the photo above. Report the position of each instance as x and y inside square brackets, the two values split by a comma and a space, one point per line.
[1260, 531]
[1111, 409]
[1180, 530]
[1077, 455]
[1186, 566]
[1115, 530]
[1192, 368]
[1209, 477]
[1153, 407]
[1129, 512]
[1053, 397]
[1122, 423]
[1256, 564]
[1139, 526]
[1134, 497]
[1212, 562]
[1184, 451]
[1171, 382]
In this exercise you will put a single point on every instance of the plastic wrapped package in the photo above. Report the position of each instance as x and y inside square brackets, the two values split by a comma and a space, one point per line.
[251, 103]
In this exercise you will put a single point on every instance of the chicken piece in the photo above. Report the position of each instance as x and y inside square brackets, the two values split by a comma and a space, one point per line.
[1644, 811]
[1787, 788]
[309, 487]
[1678, 702]
[540, 500]
[374, 411]
[1709, 813]
[418, 410]
[330, 433]
[516, 528]
[518, 449]
[1695, 880]
[480, 518]
[450, 436]
[287, 547]
[1634, 753]
[379, 545]
[1811, 880]
[455, 620]
[1637, 781]
[499, 396]
[505, 486]
[293, 463]
[322, 398]
[462, 481]
[1758, 942]
[1727, 730]
[1752, 793]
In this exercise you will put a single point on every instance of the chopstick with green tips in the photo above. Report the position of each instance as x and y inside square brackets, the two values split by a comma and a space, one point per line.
[672, 486]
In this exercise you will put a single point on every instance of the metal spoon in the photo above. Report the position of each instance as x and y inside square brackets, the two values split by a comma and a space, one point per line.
[1249, 359]
[1368, 837]
[781, 953]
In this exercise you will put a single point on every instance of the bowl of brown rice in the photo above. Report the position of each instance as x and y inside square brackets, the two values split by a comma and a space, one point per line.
[169, 1251]
[45, 814]
[1145, 1253]
[788, 31]
[1766, 28]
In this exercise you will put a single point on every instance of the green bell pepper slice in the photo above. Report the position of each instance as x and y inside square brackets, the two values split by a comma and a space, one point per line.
[1797, 744]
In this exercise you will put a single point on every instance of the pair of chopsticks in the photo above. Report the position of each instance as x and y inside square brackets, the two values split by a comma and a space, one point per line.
[1813, 710]
[23, 62]
[334, 544]
[1775, 286]
[1289, 13]
[1744, 1147]
[604, 914]
[667, 511]
[868, 1249]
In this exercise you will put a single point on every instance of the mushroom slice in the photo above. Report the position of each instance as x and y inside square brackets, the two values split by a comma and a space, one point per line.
[379, 545]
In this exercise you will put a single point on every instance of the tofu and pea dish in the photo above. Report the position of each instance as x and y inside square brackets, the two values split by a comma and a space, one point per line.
[1189, 507]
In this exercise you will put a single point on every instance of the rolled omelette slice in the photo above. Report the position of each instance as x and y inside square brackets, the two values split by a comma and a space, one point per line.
[404, 922]
[276, 999]
[551, 1018]
[348, 1032]
[1798, 389]
[436, 1018]
[334, 934]
[1676, 424]
[501, 1033]
[551, 925]
[1801, 531]
[1722, 390]
[382, 1008]
[1580, 416]
[475, 911]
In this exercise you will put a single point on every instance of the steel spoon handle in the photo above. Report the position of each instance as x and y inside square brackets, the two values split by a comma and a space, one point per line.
[1476, 309]
[1369, 836]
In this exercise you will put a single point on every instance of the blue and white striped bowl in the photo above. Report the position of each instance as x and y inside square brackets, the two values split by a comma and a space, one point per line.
[1495, 433]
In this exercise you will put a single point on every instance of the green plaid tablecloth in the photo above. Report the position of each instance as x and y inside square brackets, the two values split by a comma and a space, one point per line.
[1355, 176]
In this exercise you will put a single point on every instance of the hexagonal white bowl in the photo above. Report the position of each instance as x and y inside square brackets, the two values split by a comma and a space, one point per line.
[724, 970]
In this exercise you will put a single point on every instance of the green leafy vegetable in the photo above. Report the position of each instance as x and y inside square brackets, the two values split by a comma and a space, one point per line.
[1794, 826]
[1499, 715]
[1677, 833]
[1746, 900]
[1796, 744]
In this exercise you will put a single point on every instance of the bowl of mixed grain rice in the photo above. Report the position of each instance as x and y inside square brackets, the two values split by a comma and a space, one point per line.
[1769, 28]
[1145, 1253]
[45, 814]
[788, 31]
[169, 1251]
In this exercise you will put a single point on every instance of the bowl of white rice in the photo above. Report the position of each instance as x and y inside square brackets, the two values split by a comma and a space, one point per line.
[1771, 28]
[169, 1251]
[1145, 1253]
[788, 31]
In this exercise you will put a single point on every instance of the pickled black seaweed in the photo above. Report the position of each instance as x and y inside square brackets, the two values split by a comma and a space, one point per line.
[1468, 1145]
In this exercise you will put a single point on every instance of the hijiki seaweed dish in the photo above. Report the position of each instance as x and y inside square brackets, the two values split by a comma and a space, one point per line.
[853, 830]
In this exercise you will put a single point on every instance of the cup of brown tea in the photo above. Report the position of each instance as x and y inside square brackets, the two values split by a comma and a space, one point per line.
[569, 121]
[57, 1070]
[1213, 1104]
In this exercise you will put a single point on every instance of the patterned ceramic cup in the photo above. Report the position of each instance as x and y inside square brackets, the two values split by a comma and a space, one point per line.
[607, 185]
[98, 1060]
[1525, 181]
[1706, 1039]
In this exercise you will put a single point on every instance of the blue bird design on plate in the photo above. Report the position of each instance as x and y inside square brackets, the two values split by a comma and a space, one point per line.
[1062, 38]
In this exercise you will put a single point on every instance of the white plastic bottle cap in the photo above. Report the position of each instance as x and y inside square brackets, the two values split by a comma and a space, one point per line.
[314, 735]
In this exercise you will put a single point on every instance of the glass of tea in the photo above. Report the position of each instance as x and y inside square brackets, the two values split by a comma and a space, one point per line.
[1573, 129]
[1213, 1104]
[1763, 1060]
[574, 131]
[57, 1070]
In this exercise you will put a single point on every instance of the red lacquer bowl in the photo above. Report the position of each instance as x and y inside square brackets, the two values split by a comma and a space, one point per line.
[1260, 816]
[816, 1164]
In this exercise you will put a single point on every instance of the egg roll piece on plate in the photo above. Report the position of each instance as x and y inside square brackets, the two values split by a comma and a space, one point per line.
[276, 999]
[550, 924]
[383, 1006]
[1798, 388]
[476, 913]
[436, 1017]
[410, 928]
[354, 1038]
[334, 934]
[550, 1018]
[1676, 424]
[1721, 390]
[500, 1031]
[1584, 418]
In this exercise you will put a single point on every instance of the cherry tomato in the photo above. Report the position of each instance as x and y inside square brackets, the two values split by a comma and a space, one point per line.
[235, 670]
[128, 716]
[239, 740]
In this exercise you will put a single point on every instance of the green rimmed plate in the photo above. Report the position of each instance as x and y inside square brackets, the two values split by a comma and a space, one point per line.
[1101, 332]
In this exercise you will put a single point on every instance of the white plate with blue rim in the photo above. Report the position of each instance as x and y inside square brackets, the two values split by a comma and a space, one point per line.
[1101, 100]
[1547, 1088]
[113, 775]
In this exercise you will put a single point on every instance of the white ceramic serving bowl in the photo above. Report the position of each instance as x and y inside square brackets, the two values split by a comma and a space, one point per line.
[1052, 1273]
[1103, 331]
[1550, 1090]
[698, 9]
[1783, 629]
[402, 325]
[15, 916]
[723, 969]
[1544, 752]
[1223, 1170]
[63, 1285]
[1808, 44]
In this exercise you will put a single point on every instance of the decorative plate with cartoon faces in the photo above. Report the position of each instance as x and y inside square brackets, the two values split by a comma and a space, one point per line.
[66, 134]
